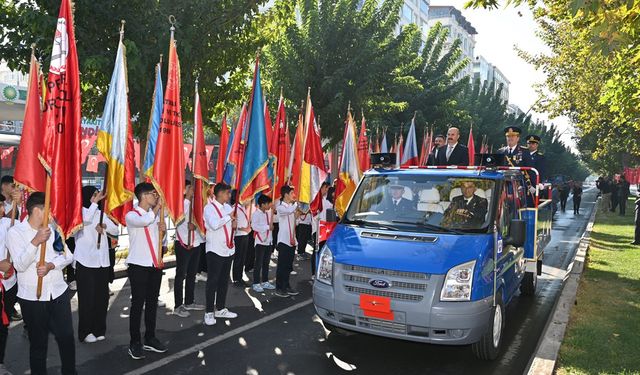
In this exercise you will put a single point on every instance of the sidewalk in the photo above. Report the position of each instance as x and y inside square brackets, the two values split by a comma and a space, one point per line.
[602, 336]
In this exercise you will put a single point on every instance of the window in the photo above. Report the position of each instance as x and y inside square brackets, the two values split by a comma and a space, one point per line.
[407, 13]
[424, 6]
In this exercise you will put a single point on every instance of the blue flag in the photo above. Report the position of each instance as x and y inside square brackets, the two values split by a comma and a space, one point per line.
[154, 125]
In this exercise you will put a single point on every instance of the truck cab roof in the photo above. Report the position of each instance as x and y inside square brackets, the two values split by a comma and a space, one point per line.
[490, 174]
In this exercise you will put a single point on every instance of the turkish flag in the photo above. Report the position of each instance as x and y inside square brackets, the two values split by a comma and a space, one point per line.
[168, 167]
[92, 163]
[61, 148]
[29, 171]
[87, 145]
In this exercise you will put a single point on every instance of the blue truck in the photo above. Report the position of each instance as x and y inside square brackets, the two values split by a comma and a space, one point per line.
[433, 255]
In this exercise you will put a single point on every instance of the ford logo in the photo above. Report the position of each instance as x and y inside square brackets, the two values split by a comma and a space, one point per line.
[379, 283]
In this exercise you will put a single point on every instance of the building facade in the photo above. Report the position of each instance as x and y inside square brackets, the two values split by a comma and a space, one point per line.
[459, 28]
[486, 72]
[415, 11]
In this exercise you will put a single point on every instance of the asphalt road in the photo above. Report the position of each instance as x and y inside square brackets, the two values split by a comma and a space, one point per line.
[283, 336]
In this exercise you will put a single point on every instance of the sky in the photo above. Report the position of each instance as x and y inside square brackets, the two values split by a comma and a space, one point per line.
[499, 30]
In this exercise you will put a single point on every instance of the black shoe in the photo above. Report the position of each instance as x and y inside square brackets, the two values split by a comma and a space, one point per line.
[135, 351]
[292, 292]
[154, 345]
[635, 243]
[281, 293]
[240, 284]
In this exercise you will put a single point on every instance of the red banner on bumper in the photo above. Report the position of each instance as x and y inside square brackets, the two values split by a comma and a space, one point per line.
[376, 307]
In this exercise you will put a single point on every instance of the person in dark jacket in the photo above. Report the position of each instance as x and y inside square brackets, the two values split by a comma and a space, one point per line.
[564, 195]
[636, 240]
[453, 153]
[623, 195]
[577, 197]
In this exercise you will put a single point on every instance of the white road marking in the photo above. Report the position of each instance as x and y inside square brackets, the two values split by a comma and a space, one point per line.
[198, 347]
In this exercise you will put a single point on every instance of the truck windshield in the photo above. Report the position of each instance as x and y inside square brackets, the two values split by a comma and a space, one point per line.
[422, 202]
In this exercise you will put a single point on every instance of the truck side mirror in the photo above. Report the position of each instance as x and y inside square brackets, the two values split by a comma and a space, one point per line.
[517, 233]
[332, 217]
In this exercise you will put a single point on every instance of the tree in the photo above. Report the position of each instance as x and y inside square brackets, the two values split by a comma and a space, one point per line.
[345, 51]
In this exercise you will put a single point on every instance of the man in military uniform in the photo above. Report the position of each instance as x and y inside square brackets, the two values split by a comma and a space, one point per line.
[534, 158]
[512, 151]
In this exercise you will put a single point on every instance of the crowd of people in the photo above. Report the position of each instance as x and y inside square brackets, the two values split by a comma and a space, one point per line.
[615, 192]
[240, 240]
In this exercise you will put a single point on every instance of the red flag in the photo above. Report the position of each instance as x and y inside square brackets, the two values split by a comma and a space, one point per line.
[61, 148]
[7, 156]
[280, 148]
[222, 149]
[295, 162]
[314, 157]
[168, 167]
[28, 171]
[186, 149]
[471, 147]
[364, 155]
[236, 151]
[200, 165]
[268, 125]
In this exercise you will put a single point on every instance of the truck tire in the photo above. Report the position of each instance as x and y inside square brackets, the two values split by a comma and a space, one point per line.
[490, 343]
[529, 284]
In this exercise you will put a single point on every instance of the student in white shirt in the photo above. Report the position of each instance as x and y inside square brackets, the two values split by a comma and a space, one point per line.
[52, 311]
[11, 194]
[92, 267]
[241, 240]
[288, 212]
[304, 231]
[8, 284]
[187, 252]
[220, 222]
[262, 225]
[145, 269]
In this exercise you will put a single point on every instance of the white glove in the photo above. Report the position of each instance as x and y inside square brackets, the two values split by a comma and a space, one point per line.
[532, 190]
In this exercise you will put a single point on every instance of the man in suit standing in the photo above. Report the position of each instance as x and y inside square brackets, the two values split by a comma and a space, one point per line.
[453, 153]
[512, 151]
[467, 210]
[439, 141]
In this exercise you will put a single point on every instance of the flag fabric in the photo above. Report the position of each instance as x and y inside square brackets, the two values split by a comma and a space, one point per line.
[471, 147]
[364, 154]
[295, 161]
[269, 131]
[235, 151]
[154, 124]
[280, 149]
[410, 156]
[399, 150]
[383, 146]
[348, 170]
[222, 149]
[29, 172]
[199, 167]
[313, 169]
[268, 125]
[168, 166]
[254, 176]
[115, 142]
[61, 147]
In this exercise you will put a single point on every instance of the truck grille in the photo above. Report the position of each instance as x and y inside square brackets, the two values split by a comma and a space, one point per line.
[394, 283]
[390, 273]
[382, 325]
[384, 293]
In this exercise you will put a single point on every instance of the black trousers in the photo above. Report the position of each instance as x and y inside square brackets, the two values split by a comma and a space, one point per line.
[303, 234]
[52, 316]
[145, 289]
[251, 254]
[261, 264]
[614, 201]
[93, 300]
[202, 267]
[112, 262]
[4, 329]
[637, 234]
[623, 205]
[217, 280]
[10, 299]
[240, 256]
[276, 229]
[576, 205]
[187, 262]
[563, 201]
[285, 265]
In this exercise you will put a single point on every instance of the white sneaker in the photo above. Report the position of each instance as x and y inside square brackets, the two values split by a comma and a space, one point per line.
[161, 303]
[225, 314]
[209, 319]
[73, 285]
[101, 338]
[268, 286]
[194, 306]
[293, 273]
[257, 288]
[90, 339]
[201, 276]
[181, 311]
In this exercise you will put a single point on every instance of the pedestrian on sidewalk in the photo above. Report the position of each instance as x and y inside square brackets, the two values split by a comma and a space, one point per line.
[288, 212]
[187, 246]
[92, 267]
[145, 269]
[623, 194]
[636, 240]
[220, 220]
[51, 311]
[262, 225]
[564, 195]
[577, 197]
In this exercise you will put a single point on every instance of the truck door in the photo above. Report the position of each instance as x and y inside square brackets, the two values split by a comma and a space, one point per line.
[509, 259]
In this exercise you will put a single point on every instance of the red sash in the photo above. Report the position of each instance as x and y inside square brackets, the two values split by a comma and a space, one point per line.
[150, 243]
[256, 234]
[5, 318]
[224, 226]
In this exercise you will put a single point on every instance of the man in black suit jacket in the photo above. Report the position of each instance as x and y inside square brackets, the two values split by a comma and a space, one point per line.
[453, 153]
[438, 142]
[467, 210]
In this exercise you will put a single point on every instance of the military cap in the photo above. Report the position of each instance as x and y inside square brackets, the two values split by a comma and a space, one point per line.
[512, 130]
[533, 138]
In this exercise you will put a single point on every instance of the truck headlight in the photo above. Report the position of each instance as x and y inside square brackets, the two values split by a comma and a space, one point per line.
[457, 283]
[325, 266]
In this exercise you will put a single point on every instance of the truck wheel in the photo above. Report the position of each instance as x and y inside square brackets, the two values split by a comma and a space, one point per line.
[489, 345]
[529, 283]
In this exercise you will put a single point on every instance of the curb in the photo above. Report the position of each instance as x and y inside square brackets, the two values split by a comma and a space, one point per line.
[120, 269]
[544, 359]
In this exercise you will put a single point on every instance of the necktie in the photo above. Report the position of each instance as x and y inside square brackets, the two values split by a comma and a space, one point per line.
[449, 151]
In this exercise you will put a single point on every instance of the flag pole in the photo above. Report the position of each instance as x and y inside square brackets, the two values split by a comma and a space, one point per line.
[45, 223]
[196, 108]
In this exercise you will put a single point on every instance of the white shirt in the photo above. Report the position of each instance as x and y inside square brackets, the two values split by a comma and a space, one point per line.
[322, 215]
[5, 225]
[244, 215]
[139, 247]
[8, 205]
[260, 223]
[25, 257]
[182, 230]
[219, 229]
[305, 218]
[276, 220]
[87, 252]
[287, 230]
